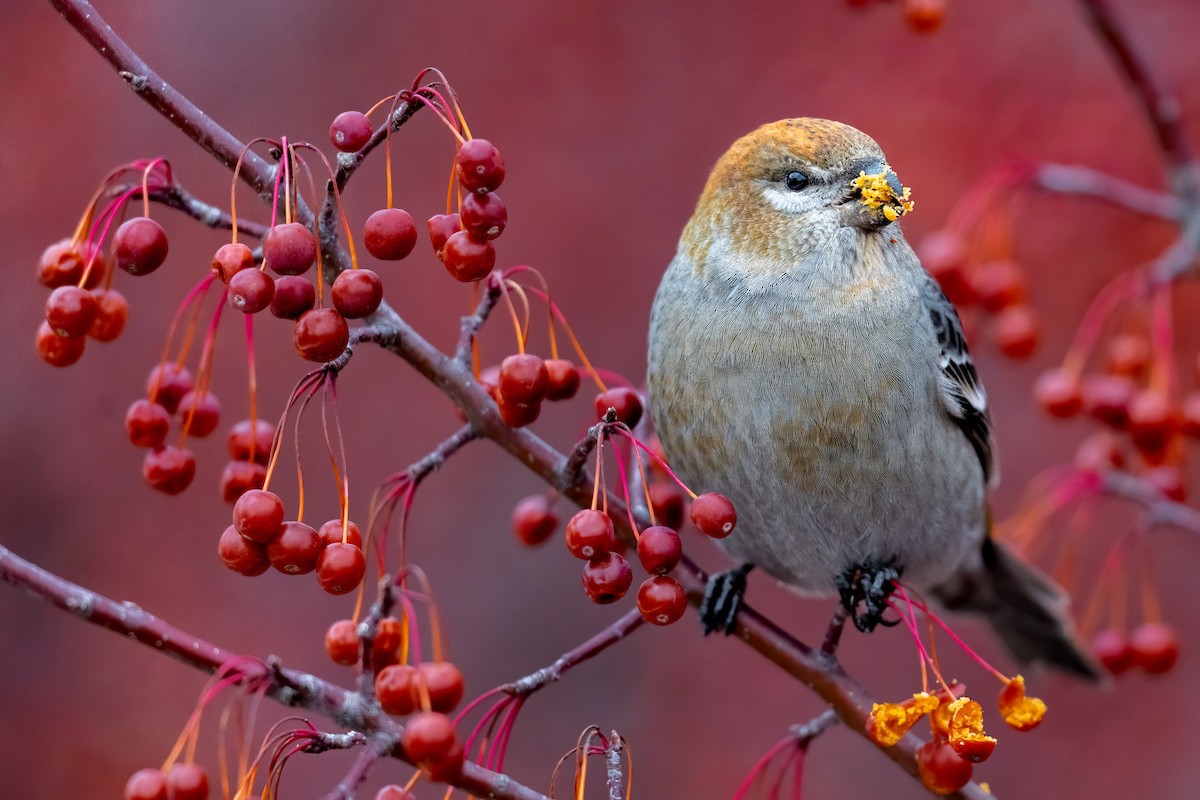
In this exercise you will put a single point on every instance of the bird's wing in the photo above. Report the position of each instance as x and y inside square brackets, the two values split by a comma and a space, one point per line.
[958, 385]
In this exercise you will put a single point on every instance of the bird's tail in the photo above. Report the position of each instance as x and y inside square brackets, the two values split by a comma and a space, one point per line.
[1027, 608]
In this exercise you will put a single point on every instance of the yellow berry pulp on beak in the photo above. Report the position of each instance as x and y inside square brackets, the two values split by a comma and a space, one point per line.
[877, 192]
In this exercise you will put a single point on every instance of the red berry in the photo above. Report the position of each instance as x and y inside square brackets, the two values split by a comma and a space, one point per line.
[590, 534]
[942, 771]
[1111, 648]
[146, 784]
[340, 567]
[441, 682]
[321, 334]
[1127, 354]
[713, 515]
[393, 792]
[293, 296]
[240, 554]
[112, 310]
[250, 440]
[390, 234]
[483, 216]
[480, 166]
[441, 228]
[518, 415]
[230, 259]
[349, 131]
[71, 310]
[429, 742]
[251, 291]
[58, 351]
[534, 520]
[944, 255]
[666, 498]
[1168, 481]
[357, 293]
[199, 413]
[1017, 331]
[606, 578]
[1155, 647]
[388, 638]
[924, 16]
[140, 246]
[523, 379]
[1099, 452]
[1151, 419]
[342, 643]
[1107, 398]
[624, 400]
[394, 689]
[295, 550]
[63, 264]
[239, 477]
[169, 469]
[167, 384]
[563, 379]
[187, 782]
[661, 600]
[466, 259]
[147, 424]
[258, 515]
[290, 248]
[659, 549]
[1000, 284]
[331, 533]
[1059, 392]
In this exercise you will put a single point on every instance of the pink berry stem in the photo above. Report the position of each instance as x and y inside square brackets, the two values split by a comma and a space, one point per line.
[949, 632]
[760, 767]
[625, 489]
[666, 467]
[1107, 301]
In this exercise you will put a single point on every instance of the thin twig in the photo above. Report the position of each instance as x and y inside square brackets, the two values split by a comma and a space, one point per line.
[810, 730]
[377, 747]
[470, 325]
[1088, 182]
[627, 624]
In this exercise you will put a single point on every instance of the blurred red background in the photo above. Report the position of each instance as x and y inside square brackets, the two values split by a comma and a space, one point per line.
[609, 120]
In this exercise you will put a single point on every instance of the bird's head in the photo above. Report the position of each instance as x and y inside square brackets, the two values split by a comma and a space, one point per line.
[790, 188]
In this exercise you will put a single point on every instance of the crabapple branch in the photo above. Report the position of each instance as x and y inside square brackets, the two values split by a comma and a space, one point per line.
[377, 746]
[472, 324]
[1088, 182]
[180, 199]
[1160, 510]
[287, 686]
[815, 727]
[631, 621]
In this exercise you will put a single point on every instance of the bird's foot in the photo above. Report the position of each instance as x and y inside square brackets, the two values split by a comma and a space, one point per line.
[865, 589]
[723, 599]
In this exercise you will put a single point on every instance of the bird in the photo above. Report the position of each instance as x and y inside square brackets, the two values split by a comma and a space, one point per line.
[803, 363]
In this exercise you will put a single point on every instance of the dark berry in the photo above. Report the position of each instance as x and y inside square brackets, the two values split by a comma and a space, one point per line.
[1127, 354]
[199, 413]
[523, 379]
[331, 533]
[606, 578]
[140, 246]
[147, 424]
[666, 498]
[430, 742]
[1059, 392]
[169, 469]
[63, 264]
[441, 682]
[534, 520]
[1000, 284]
[441, 228]
[390, 234]
[342, 642]
[167, 385]
[58, 351]
[112, 310]
[1017, 331]
[187, 782]
[518, 415]
[590, 534]
[480, 166]
[293, 296]
[1111, 648]
[357, 293]
[290, 248]
[1107, 398]
[1151, 419]
[483, 216]
[71, 310]
[466, 259]
[340, 567]
[624, 400]
[713, 515]
[258, 515]
[659, 549]
[295, 550]
[242, 555]
[146, 784]
[563, 379]
[239, 477]
[230, 259]
[394, 689]
[944, 255]
[251, 440]
[321, 334]
[661, 600]
[251, 291]
[942, 770]
[1155, 647]
[349, 131]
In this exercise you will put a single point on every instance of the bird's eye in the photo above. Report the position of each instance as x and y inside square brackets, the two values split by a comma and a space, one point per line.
[795, 180]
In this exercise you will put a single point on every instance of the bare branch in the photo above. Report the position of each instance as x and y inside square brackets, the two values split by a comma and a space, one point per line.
[1088, 182]
[631, 621]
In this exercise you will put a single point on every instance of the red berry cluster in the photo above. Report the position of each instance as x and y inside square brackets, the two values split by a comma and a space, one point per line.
[524, 381]
[463, 241]
[260, 538]
[1152, 647]
[995, 286]
[180, 782]
[78, 308]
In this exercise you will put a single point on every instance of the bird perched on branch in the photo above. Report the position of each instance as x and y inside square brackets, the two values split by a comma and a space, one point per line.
[804, 364]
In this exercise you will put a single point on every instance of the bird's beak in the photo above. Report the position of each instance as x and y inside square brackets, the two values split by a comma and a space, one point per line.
[878, 196]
